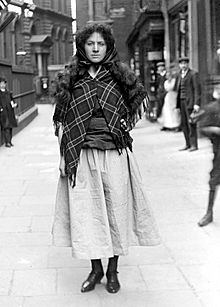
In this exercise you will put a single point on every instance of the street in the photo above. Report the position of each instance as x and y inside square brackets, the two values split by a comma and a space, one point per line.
[184, 271]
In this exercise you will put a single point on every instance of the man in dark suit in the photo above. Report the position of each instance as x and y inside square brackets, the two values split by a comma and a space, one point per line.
[160, 90]
[188, 100]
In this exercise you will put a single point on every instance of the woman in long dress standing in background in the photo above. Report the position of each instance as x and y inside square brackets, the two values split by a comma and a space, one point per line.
[170, 116]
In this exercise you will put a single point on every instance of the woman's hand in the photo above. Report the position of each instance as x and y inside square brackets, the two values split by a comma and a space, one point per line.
[62, 167]
[124, 125]
[196, 108]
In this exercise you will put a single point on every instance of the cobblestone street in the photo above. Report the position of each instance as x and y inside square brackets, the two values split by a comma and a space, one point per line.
[184, 271]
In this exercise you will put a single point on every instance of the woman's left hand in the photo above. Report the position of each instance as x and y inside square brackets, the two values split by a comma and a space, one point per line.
[62, 167]
[196, 108]
[124, 125]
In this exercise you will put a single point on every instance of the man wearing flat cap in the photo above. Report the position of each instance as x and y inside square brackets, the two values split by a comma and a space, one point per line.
[188, 101]
[160, 90]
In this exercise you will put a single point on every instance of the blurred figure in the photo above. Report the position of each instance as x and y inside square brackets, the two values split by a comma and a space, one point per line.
[170, 115]
[7, 114]
[53, 91]
[210, 127]
[160, 91]
[188, 100]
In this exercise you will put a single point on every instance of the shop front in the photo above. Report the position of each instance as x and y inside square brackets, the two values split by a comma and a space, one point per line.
[194, 31]
[146, 49]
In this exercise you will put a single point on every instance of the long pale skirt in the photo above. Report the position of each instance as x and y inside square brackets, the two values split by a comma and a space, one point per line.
[107, 211]
[170, 115]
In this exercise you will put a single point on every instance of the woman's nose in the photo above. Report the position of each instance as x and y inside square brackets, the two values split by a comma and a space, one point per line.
[95, 48]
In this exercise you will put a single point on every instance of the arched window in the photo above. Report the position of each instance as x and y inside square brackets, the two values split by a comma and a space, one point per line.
[64, 46]
[33, 30]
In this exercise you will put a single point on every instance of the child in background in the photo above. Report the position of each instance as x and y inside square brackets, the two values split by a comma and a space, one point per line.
[210, 127]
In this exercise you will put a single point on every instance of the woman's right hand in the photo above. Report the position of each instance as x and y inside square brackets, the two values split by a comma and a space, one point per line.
[62, 167]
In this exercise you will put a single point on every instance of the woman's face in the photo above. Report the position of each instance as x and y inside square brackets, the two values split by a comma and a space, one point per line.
[95, 48]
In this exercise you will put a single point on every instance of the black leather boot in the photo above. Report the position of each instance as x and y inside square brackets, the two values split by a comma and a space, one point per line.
[113, 284]
[208, 217]
[94, 277]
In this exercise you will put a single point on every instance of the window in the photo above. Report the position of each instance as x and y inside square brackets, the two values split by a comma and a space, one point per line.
[179, 32]
[99, 9]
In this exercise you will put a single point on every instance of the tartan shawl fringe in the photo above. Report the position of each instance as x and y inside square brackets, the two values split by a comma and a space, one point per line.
[119, 95]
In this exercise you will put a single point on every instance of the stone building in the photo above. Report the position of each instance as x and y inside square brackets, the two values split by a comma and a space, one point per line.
[41, 41]
[193, 30]
[50, 43]
[169, 29]
[12, 60]
[146, 42]
[35, 44]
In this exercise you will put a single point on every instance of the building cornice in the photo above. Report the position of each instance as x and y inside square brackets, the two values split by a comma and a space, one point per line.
[143, 17]
[40, 10]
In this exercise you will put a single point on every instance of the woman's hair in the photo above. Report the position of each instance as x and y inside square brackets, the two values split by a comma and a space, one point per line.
[104, 30]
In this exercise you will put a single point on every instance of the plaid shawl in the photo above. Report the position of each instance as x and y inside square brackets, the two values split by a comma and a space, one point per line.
[75, 106]
[79, 111]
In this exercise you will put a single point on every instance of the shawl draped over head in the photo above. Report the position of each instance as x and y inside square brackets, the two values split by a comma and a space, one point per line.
[115, 88]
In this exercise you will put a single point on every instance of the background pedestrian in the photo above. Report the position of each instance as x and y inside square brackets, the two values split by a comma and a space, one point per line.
[210, 127]
[7, 115]
[170, 115]
[160, 90]
[188, 100]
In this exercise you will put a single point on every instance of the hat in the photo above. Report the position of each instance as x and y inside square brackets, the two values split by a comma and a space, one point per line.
[184, 59]
[2, 79]
[160, 64]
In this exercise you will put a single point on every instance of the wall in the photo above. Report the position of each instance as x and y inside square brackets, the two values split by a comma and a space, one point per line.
[122, 25]
[82, 16]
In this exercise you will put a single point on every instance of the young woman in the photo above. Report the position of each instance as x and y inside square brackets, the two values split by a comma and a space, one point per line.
[101, 208]
[170, 116]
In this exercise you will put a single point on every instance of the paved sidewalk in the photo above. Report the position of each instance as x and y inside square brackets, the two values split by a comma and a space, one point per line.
[184, 271]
